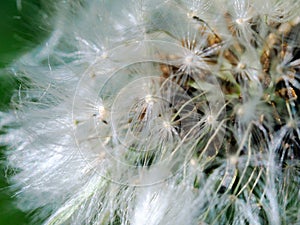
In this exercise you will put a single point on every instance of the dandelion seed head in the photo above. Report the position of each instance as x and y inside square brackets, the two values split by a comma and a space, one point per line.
[159, 112]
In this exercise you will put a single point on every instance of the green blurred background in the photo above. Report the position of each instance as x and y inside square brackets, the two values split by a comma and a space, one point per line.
[22, 27]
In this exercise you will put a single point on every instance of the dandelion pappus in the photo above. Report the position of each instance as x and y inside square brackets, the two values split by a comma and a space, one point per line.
[174, 74]
[230, 25]
[229, 53]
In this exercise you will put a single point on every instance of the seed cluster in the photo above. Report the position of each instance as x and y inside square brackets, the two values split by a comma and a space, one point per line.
[274, 72]
[160, 112]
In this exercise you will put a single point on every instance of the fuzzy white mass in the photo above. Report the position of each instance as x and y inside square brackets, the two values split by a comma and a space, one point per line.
[149, 112]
